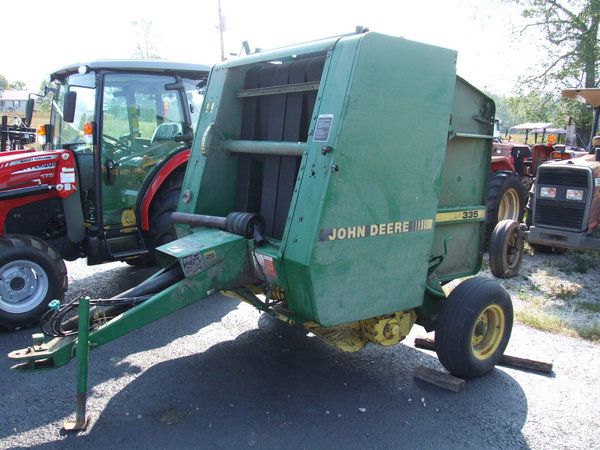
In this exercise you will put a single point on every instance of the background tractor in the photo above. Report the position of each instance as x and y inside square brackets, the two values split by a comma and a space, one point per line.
[514, 168]
[115, 152]
[509, 183]
[564, 208]
[298, 200]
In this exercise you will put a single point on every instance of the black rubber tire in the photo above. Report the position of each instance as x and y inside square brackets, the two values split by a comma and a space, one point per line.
[506, 249]
[41, 259]
[162, 229]
[505, 191]
[465, 344]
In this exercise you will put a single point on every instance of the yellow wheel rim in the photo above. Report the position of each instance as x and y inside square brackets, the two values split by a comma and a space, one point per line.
[509, 205]
[487, 332]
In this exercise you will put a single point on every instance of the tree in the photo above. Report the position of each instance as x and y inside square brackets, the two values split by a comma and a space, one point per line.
[18, 85]
[145, 47]
[571, 31]
[44, 101]
[530, 106]
[3, 83]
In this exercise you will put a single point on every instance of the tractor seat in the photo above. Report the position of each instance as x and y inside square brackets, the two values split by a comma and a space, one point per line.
[165, 132]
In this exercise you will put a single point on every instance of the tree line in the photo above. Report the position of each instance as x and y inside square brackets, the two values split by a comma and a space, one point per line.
[571, 61]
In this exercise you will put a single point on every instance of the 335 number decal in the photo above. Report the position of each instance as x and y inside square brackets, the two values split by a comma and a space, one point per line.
[470, 214]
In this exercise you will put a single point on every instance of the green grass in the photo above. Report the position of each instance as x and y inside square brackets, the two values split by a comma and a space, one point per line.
[589, 332]
[543, 321]
[592, 307]
[565, 292]
[579, 262]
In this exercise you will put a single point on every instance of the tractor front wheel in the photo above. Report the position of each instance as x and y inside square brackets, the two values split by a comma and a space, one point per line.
[31, 275]
[474, 327]
[506, 249]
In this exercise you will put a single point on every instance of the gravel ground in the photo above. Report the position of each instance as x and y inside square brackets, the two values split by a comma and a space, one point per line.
[562, 291]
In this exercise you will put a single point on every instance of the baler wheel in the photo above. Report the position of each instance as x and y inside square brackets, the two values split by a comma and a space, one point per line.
[31, 275]
[474, 327]
[506, 249]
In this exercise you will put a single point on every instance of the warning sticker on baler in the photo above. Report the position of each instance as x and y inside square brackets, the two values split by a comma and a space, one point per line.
[192, 265]
[323, 128]
[264, 265]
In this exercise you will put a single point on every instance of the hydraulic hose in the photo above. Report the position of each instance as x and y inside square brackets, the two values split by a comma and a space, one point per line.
[60, 323]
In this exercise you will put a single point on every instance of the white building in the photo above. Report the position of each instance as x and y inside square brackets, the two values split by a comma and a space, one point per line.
[13, 101]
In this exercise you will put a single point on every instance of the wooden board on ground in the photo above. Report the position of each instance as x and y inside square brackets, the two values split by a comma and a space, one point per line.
[506, 360]
[441, 379]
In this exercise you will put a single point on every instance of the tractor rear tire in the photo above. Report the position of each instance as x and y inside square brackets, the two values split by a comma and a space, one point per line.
[506, 249]
[164, 204]
[31, 275]
[474, 327]
[506, 200]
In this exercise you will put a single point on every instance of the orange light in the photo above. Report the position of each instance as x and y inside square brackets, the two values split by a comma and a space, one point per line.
[41, 135]
[560, 155]
[88, 133]
[551, 139]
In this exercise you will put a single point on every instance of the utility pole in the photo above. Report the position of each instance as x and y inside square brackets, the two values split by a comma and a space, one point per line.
[221, 30]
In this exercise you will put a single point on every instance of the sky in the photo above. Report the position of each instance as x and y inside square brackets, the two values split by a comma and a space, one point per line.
[40, 36]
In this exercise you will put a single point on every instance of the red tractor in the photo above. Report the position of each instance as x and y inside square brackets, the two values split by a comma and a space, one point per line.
[564, 208]
[509, 183]
[110, 173]
[514, 167]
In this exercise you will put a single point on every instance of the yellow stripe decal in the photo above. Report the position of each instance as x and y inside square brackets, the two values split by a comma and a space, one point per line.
[455, 216]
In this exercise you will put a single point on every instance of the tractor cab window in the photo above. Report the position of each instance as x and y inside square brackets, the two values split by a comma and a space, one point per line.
[70, 135]
[194, 91]
[141, 121]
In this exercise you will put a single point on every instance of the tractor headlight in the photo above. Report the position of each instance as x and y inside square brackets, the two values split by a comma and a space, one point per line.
[574, 194]
[548, 192]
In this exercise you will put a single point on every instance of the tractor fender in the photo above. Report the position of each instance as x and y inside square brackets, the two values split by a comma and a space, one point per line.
[164, 171]
[502, 163]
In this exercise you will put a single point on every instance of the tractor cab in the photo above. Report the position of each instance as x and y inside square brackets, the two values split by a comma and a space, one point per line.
[121, 120]
[114, 154]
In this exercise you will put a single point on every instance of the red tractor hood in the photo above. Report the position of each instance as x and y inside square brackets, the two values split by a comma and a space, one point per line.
[29, 168]
[23, 168]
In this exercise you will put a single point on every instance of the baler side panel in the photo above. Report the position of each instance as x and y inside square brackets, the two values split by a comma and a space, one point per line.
[212, 191]
[465, 183]
[313, 178]
[371, 248]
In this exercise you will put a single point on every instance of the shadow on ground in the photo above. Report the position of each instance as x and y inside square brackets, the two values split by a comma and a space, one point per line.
[273, 387]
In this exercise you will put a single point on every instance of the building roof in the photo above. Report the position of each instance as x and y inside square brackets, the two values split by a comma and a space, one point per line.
[532, 126]
[13, 94]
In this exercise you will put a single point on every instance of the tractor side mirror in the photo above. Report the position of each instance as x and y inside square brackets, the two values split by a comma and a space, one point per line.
[69, 107]
[29, 111]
